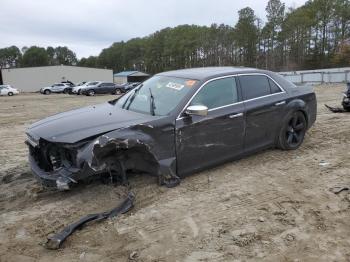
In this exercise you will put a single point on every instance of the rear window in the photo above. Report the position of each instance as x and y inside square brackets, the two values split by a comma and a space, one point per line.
[254, 86]
[274, 87]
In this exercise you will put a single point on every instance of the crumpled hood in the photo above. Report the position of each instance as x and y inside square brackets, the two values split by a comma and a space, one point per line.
[76, 125]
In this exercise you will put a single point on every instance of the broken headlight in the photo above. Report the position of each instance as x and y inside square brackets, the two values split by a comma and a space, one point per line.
[59, 157]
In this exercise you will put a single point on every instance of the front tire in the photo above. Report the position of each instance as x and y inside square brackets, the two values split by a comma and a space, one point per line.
[118, 91]
[91, 92]
[293, 131]
[47, 92]
[10, 94]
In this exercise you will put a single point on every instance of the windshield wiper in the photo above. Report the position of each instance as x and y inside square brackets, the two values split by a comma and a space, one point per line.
[131, 98]
[152, 105]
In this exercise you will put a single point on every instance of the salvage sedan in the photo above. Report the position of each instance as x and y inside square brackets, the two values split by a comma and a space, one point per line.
[174, 124]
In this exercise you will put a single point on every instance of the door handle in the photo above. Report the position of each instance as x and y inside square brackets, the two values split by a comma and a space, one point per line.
[236, 115]
[280, 103]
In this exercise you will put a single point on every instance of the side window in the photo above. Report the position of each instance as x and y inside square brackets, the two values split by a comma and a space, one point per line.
[274, 87]
[254, 86]
[217, 93]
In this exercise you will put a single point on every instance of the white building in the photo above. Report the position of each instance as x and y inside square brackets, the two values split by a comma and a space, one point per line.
[31, 79]
[130, 76]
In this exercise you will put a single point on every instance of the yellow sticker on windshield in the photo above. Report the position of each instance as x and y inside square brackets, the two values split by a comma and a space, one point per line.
[190, 82]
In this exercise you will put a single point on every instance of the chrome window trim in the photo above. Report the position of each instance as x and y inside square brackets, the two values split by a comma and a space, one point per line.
[236, 103]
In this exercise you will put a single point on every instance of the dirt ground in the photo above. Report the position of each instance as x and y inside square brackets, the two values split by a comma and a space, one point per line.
[272, 206]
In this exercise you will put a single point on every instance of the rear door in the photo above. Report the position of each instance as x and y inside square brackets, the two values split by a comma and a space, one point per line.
[265, 103]
[202, 141]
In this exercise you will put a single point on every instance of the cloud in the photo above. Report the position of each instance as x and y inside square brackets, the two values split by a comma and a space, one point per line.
[87, 26]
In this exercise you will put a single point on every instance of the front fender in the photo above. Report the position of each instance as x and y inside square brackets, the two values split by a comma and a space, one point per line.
[140, 147]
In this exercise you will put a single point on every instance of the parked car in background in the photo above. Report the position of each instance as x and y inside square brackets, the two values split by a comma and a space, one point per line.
[71, 84]
[76, 89]
[99, 88]
[56, 88]
[124, 88]
[91, 84]
[7, 90]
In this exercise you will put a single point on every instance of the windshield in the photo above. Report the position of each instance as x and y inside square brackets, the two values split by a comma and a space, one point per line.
[158, 95]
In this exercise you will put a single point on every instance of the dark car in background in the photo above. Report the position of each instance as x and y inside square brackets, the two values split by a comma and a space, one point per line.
[173, 124]
[99, 88]
[126, 87]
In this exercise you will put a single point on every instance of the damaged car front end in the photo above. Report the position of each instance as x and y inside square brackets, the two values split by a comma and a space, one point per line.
[57, 164]
[110, 138]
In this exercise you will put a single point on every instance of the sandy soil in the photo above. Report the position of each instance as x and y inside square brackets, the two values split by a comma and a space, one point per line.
[272, 206]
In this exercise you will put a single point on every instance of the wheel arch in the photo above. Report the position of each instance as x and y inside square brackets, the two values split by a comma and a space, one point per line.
[298, 105]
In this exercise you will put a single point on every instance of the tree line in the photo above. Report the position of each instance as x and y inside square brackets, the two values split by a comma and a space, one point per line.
[36, 56]
[315, 35]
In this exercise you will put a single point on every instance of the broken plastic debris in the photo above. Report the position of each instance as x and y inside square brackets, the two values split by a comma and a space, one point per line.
[338, 189]
[324, 163]
[55, 241]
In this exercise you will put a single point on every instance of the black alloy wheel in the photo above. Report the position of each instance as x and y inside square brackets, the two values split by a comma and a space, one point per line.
[293, 133]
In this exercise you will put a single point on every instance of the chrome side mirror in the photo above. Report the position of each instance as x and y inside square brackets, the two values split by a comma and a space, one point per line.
[198, 110]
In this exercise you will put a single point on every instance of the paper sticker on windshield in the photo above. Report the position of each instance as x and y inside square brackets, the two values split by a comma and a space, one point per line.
[175, 86]
[190, 82]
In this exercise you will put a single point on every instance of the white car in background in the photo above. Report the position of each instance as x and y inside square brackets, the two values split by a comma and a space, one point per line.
[7, 90]
[55, 88]
[79, 89]
[76, 89]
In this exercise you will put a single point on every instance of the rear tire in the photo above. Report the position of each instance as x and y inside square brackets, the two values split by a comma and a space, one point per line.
[91, 92]
[292, 132]
[47, 92]
[65, 91]
[10, 94]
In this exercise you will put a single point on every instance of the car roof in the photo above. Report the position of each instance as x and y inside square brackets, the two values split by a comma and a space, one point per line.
[209, 72]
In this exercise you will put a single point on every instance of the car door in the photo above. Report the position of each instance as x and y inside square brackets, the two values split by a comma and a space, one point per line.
[57, 88]
[202, 141]
[110, 88]
[54, 88]
[99, 88]
[265, 104]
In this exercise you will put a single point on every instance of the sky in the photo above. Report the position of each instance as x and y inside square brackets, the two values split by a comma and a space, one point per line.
[88, 26]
